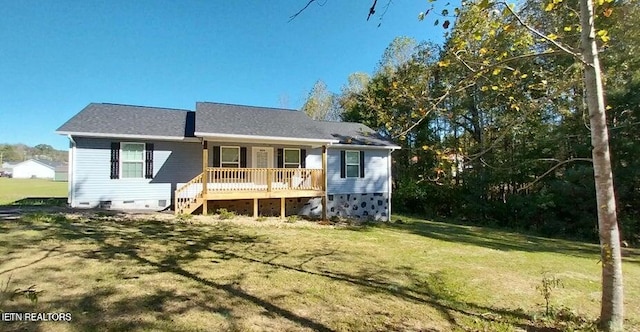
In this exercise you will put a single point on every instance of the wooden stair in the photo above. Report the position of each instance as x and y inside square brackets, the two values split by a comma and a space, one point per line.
[190, 207]
[188, 198]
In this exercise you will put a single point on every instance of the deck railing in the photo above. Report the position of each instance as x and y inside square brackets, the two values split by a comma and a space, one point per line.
[263, 179]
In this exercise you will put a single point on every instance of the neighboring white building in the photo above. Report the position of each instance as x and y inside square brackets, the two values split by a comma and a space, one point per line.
[7, 168]
[34, 169]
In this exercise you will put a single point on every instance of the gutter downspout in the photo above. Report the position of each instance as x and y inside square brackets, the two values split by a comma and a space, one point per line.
[72, 174]
[390, 180]
[325, 162]
[389, 186]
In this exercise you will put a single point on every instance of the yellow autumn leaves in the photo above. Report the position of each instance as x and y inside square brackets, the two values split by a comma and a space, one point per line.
[602, 34]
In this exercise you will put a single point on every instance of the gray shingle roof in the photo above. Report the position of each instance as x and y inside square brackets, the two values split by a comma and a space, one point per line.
[354, 133]
[131, 120]
[44, 162]
[215, 118]
[49, 163]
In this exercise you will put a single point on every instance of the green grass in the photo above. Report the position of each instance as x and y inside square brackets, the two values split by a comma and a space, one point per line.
[125, 273]
[31, 191]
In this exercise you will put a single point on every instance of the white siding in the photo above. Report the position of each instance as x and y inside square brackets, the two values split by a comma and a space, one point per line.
[314, 158]
[376, 178]
[32, 169]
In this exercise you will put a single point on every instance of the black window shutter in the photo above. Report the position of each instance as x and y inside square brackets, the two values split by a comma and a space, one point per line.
[343, 164]
[243, 157]
[216, 156]
[303, 158]
[280, 158]
[361, 164]
[115, 160]
[148, 161]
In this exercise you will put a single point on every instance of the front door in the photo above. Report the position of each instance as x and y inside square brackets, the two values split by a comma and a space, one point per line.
[262, 157]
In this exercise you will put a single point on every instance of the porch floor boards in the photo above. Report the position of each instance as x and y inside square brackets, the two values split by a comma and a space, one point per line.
[251, 194]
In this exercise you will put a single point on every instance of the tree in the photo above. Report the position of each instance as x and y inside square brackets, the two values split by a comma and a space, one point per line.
[546, 37]
[321, 103]
[611, 316]
[400, 51]
[504, 59]
[612, 311]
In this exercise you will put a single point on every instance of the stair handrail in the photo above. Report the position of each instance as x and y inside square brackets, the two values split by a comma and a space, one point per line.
[182, 202]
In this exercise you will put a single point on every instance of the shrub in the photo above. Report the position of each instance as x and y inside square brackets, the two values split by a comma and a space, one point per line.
[335, 219]
[8, 293]
[292, 218]
[224, 214]
[548, 284]
[184, 216]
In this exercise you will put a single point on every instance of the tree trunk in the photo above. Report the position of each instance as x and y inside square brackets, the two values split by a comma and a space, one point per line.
[611, 314]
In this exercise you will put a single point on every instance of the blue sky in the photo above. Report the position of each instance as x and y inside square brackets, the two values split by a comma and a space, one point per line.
[58, 56]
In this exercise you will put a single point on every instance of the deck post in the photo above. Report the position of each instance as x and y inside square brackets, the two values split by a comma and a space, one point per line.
[324, 182]
[205, 177]
[255, 208]
[282, 207]
[269, 179]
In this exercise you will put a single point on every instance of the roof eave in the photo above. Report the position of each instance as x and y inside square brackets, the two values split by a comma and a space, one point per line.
[362, 146]
[129, 136]
[264, 139]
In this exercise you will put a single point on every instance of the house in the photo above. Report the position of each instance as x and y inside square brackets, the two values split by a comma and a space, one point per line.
[61, 173]
[254, 160]
[6, 169]
[34, 168]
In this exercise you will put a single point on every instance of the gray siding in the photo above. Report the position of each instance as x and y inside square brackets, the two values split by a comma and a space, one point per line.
[376, 178]
[174, 163]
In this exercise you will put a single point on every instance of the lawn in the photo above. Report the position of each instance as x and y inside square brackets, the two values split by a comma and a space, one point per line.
[153, 272]
[30, 191]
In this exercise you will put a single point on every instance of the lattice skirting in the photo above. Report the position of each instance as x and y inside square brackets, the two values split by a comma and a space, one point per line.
[359, 206]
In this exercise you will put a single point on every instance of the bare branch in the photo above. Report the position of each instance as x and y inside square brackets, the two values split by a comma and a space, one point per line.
[292, 17]
[433, 107]
[502, 63]
[463, 62]
[372, 10]
[553, 169]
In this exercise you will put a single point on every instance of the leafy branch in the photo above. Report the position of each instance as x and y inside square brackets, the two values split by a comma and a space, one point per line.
[534, 31]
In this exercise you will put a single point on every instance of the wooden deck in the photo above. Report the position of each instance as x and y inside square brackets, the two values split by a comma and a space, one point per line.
[248, 183]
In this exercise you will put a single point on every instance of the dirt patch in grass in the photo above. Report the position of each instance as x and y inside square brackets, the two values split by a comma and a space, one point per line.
[140, 271]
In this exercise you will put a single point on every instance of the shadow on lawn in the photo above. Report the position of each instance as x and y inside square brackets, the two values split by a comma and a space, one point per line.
[40, 201]
[497, 239]
[120, 240]
[433, 291]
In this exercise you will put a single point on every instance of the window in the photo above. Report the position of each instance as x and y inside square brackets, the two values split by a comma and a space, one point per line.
[230, 156]
[132, 160]
[352, 163]
[291, 158]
